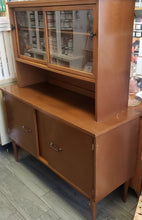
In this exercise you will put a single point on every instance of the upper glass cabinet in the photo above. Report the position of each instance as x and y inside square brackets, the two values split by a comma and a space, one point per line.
[71, 39]
[30, 31]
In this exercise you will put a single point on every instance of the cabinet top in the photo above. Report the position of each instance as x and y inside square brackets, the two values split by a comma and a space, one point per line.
[69, 107]
[42, 3]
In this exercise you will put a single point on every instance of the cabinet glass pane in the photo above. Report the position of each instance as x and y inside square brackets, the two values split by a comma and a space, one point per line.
[30, 28]
[70, 44]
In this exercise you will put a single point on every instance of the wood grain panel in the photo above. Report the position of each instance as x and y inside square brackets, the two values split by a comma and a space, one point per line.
[74, 158]
[116, 155]
[115, 27]
[21, 127]
[29, 75]
[75, 85]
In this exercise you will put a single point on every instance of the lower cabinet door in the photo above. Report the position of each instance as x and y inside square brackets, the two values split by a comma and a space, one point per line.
[68, 150]
[21, 126]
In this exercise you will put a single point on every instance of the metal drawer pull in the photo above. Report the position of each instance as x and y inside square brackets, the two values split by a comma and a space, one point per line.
[27, 130]
[51, 145]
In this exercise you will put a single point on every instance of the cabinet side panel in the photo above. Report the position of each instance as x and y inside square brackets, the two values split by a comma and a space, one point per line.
[136, 182]
[116, 154]
[115, 23]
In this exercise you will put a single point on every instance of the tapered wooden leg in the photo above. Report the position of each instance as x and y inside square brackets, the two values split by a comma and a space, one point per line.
[93, 209]
[15, 149]
[125, 191]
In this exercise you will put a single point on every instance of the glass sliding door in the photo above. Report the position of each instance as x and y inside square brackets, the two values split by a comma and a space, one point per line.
[71, 39]
[30, 31]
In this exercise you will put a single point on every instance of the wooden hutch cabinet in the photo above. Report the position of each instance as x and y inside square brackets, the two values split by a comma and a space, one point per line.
[69, 108]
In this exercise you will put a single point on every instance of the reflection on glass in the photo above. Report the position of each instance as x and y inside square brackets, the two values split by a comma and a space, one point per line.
[31, 34]
[70, 44]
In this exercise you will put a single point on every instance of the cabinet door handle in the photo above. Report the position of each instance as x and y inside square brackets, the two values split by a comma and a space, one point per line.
[12, 27]
[27, 130]
[53, 147]
[92, 34]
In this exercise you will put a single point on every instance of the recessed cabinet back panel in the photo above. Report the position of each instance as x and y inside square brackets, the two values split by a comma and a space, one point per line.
[68, 150]
[21, 123]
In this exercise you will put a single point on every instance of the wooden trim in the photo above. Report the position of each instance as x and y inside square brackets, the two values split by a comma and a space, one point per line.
[61, 8]
[32, 59]
[46, 36]
[84, 77]
[72, 71]
[49, 3]
[12, 22]
[93, 168]
[136, 181]
[29, 9]
[95, 61]
[16, 34]
[36, 131]
[64, 178]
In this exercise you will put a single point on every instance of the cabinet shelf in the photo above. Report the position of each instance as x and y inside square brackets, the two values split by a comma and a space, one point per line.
[37, 51]
[70, 32]
[30, 29]
[138, 9]
[67, 58]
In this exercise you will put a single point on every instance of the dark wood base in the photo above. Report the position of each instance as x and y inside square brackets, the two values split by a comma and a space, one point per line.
[15, 149]
[125, 191]
[93, 209]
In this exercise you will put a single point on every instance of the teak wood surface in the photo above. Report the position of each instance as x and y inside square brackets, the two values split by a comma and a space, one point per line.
[76, 110]
[83, 122]
[108, 157]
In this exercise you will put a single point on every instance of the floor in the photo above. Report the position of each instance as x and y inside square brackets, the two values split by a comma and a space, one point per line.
[29, 190]
[138, 213]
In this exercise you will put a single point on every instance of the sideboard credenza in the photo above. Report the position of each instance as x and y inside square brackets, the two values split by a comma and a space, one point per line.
[69, 106]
